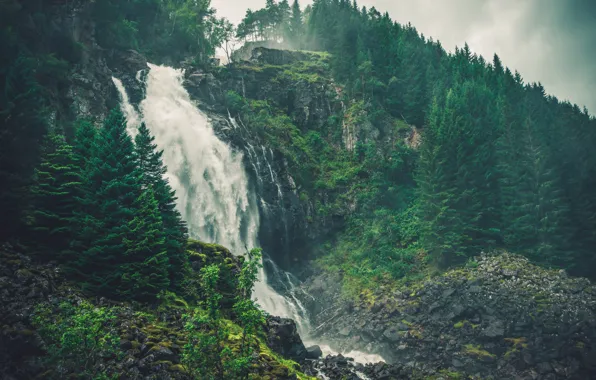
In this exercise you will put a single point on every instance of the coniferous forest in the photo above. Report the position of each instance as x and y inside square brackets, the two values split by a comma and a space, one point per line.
[407, 182]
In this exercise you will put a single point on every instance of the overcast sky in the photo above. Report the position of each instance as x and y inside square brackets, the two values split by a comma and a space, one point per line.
[550, 41]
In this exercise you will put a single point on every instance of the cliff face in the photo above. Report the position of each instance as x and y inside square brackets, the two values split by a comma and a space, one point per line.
[90, 92]
[299, 210]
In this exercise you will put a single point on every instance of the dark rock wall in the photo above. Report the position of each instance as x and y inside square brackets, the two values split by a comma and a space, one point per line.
[289, 226]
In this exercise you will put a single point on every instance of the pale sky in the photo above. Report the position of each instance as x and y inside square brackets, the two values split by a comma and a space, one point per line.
[550, 41]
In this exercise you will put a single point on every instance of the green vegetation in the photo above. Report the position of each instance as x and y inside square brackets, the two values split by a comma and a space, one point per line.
[123, 252]
[501, 164]
[150, 163]
[171, 28]
[38, 57]
[79, 338]
[57, 180]
[217, 349]
[276, 20]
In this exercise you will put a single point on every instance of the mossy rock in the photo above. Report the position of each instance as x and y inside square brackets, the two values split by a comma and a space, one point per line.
[177, 368]
[478, 352]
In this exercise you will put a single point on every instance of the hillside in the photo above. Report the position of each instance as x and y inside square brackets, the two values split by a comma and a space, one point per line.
[391, 198]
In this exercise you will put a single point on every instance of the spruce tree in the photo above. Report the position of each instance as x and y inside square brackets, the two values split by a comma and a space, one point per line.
[57, 183]
[85, 134]
[146, 267]
[116, 245]
[22, 128]
[296, 26]
[534, 212]
[442, 231]
[149, 161]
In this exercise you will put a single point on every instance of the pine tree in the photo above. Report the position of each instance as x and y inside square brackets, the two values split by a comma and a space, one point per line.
[85, 134]
[149, 161]
[57, 183]
[534, 212]
[442, 231]
[115, 243]
[22, 127]
[146, 268]
[296, 26]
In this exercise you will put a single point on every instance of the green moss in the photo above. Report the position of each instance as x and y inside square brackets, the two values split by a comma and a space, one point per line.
[459, 324]
[517, 342]
[477, 351]
[177, 368]
[451, 375]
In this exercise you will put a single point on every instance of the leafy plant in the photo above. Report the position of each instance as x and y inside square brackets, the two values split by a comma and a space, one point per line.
[79, 337]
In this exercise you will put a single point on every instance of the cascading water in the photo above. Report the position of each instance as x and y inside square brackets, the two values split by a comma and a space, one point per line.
[132, 117]
[209, 178]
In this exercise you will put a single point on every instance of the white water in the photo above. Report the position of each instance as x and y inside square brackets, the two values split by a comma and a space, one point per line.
[208, 176]
[133, 119]
[210, 181]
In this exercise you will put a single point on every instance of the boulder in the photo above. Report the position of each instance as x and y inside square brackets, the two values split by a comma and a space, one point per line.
[283, 338]
[314, 352]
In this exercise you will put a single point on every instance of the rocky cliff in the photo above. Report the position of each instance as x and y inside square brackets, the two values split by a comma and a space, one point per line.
[501, 317]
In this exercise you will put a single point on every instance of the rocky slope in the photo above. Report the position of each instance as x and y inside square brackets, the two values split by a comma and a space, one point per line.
[150, 338]
[501, 317]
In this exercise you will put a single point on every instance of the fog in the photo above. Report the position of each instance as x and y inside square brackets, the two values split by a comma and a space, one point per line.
[547, 41]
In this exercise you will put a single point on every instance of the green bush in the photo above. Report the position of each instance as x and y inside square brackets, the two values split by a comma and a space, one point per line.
[78, 337]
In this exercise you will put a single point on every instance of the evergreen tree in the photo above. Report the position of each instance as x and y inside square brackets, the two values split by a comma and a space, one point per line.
[22, 128]
[534, 212]
[57, 183]
[442, 226]
[145, 272]
[149, 161]
[85, 134]
[296, 27]
[121, 231]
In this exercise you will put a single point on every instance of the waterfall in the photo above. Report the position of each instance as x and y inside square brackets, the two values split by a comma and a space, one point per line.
[132, 117]
[208, 176]
[210, 180]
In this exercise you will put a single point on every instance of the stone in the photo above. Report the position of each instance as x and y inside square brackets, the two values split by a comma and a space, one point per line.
[346, 331]
[314, 352]
[283, 338]
[392, 335]
[125, 345]
[495, 329]
[475, 289]
[163, 353]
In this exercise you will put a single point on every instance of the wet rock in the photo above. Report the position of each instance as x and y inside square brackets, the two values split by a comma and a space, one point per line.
[283, 338]
[314, 352]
